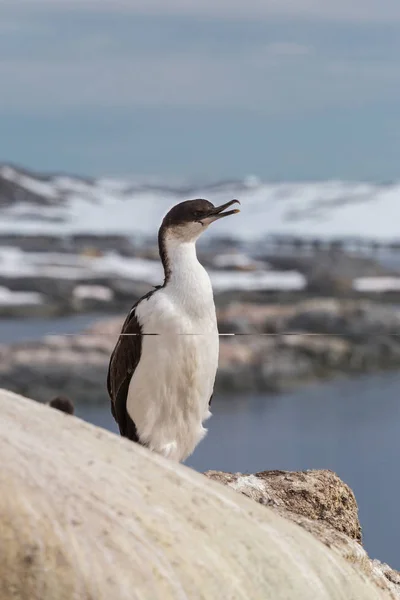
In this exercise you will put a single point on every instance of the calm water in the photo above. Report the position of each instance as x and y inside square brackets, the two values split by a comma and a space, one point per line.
[22, 330]
[349, 426]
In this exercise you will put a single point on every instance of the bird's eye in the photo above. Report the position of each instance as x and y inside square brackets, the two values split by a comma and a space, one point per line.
[197, 213]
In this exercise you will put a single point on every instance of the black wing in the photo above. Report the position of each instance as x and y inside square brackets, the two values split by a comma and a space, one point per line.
[123, 362]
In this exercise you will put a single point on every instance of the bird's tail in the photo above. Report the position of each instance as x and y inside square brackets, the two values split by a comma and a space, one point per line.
[63, 404]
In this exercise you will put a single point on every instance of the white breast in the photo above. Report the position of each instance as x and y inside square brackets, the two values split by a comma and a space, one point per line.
[171, 388]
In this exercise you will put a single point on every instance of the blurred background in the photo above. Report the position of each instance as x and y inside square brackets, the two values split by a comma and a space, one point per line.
[111, 112]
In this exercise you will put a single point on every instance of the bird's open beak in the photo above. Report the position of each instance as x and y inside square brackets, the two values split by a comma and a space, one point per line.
[218, 212]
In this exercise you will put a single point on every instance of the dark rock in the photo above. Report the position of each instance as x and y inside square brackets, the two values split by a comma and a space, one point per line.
[63, 404]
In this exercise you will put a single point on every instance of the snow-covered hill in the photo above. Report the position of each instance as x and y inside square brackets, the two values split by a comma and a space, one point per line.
[61, 204]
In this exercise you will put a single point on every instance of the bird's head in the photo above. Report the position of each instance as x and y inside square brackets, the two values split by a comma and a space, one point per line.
[187, 220]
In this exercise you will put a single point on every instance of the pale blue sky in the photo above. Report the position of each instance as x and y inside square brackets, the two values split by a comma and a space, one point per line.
[295, 89]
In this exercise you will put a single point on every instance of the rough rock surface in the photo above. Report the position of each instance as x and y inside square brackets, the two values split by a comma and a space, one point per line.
[319, 495]
[86, 514]
[320, 502]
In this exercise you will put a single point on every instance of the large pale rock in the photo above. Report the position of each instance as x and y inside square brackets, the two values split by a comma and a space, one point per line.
[321, 503]
[85, 514]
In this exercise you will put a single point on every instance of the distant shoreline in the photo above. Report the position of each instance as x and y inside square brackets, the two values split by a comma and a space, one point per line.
[356, 337]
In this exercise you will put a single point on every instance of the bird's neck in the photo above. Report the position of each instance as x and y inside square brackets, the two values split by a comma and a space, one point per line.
[185, 277]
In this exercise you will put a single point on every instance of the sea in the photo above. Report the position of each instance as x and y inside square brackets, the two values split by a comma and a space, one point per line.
[351, 426]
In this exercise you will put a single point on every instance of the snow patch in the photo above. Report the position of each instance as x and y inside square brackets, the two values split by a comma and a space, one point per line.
[10, 298]
[17, 263]
[258, 281]
[237, 260]
[93, 292]
[377, 284]
[112, 206]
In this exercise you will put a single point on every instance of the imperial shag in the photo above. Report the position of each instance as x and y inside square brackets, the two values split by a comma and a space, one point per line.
[162, 370]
